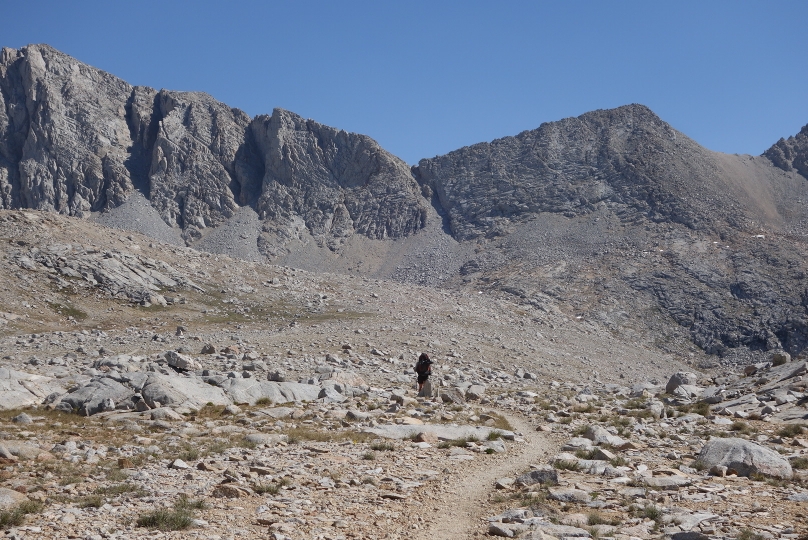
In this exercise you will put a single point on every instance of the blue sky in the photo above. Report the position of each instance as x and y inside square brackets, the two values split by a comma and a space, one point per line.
[424, 78]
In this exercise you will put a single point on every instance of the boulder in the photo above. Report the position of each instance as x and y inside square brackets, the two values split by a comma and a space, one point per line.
[95, 397]
[599, 435]
[10, 498]
[543, 475]
[181, 361]
[744, 457]
[679, 378]
[183, 394]
[452, 395]
[475, 391]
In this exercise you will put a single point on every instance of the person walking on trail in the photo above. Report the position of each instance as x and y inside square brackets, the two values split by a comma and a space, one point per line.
[423, 369]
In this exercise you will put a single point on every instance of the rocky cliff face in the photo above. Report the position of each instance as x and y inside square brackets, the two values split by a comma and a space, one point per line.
[791, 154]
[339, 183]
[75, 140]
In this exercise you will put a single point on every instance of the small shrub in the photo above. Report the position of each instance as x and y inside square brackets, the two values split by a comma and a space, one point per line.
[460, 443]
[701, 408]
[742, 427]
[494, 435]
[790, 430]
[618, 461]
[16, 516]
[799, 463]
[564, 465]
[263, 401]
[180, 517]
[271, 488]
[585, 454]
[596, 518]
[580, 430]
[189, 453]
[382, 446]
[369, 456]
[749, 534]
[91, 501]
[588, 408]
[635, 403]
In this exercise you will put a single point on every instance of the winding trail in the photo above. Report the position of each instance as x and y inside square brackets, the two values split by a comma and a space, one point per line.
[464, 498]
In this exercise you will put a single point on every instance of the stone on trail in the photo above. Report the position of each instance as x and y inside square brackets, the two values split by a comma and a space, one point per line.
[498, 529]
[427, 390]
[744, 457]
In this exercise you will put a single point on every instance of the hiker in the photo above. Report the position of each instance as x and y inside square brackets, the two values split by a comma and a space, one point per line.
[423, 369]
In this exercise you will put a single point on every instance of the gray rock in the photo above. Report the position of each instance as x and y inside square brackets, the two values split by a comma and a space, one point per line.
[23, 418]
[19, 389]
[252, 390]
[744, 457]
[475, 392]
[183, 394]
[498, 529]
[181, 361]
[680, 378]
[599, 435]
[566, 494]
[90, 399]
[544, 475]
[10, 498]
[270, 439]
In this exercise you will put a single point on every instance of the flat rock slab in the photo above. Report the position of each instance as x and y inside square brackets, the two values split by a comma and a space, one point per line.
[667, 482]
[442, 432]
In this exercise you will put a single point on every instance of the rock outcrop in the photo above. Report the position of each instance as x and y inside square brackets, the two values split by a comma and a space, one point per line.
[75, 140]
[792, 153]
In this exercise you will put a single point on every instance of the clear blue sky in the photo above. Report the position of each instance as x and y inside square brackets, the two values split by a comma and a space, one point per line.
[427, 77]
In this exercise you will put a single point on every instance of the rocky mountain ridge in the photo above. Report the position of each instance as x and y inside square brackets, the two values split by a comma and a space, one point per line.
[613, 218]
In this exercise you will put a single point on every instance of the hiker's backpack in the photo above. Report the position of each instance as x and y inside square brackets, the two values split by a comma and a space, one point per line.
[422, 367]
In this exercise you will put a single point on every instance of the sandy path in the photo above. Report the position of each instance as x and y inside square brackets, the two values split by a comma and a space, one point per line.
[464, 498]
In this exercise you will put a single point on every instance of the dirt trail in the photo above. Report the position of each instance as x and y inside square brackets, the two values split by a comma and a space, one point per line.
[464, 499]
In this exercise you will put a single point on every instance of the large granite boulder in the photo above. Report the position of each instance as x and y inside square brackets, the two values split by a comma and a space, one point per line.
[744, 457]
[183, 394]
[101, 394]
[681, 378]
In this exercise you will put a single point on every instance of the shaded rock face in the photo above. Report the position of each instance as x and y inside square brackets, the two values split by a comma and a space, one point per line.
[337, 182]
[74, 139]
[792, 153]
